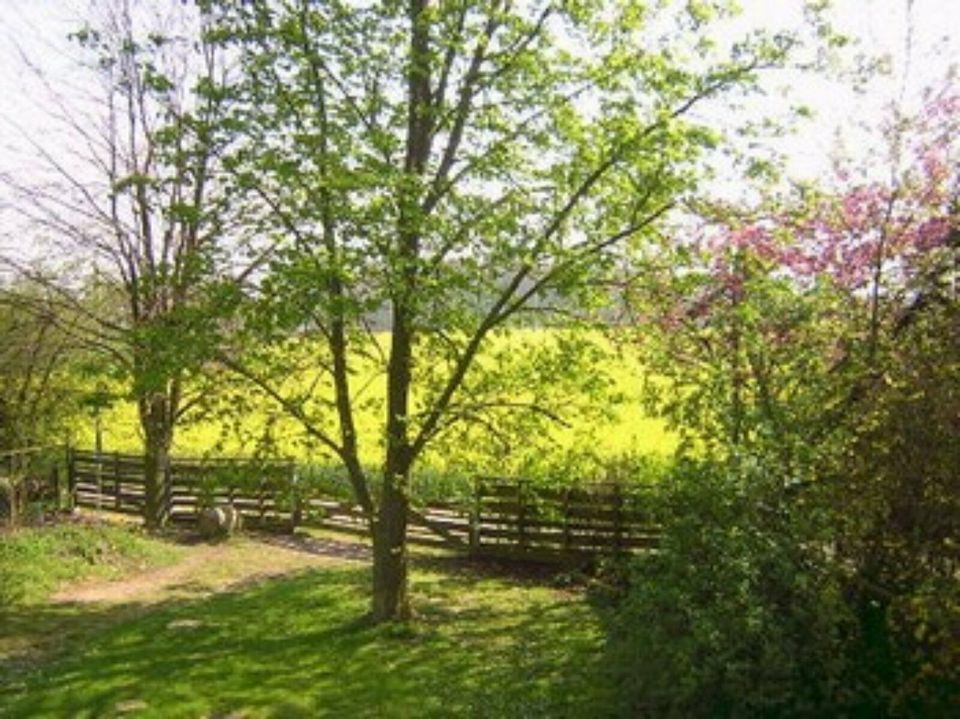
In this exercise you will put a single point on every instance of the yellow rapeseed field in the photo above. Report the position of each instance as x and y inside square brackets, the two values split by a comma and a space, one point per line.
[625, 428]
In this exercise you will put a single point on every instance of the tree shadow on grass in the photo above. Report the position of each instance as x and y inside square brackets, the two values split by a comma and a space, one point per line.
[298, 647]
[320, 546]
[473, 569]
[30, 635]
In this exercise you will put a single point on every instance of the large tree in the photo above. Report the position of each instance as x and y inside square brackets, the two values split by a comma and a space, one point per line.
[128, 211]
[448, 168]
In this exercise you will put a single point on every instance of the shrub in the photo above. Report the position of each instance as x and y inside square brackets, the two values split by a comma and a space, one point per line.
[739, 613]
[760, 603]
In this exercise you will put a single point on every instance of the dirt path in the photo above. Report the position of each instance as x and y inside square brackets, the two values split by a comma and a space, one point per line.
[207, 568]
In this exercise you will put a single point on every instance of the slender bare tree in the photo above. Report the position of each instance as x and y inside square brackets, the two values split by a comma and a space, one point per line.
[128, 211]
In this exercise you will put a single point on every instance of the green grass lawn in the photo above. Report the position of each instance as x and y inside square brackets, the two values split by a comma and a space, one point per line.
[480, 645]
[36, 561]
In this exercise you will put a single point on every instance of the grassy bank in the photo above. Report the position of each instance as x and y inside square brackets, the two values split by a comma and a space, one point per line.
[35, 561]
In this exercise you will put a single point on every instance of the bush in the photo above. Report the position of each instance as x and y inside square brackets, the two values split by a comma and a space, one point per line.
[739, 613]
[925, 629]
[756, 605]
[899, 490]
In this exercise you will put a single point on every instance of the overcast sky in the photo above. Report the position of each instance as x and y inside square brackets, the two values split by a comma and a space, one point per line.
[37, 29]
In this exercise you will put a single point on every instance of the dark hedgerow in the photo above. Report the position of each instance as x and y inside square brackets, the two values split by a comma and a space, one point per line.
[757, 605]
[740, 612]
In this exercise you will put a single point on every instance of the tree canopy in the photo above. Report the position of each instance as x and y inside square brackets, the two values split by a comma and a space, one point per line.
[457, 166]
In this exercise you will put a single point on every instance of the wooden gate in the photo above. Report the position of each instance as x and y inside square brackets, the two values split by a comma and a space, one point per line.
[115, 481]
[518, 518]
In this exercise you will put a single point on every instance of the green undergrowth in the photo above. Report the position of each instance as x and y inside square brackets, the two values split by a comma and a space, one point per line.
[298, 647]
[35, 561]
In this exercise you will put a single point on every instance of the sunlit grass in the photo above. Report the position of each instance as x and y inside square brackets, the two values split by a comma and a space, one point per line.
[34, 561]
[298, 647]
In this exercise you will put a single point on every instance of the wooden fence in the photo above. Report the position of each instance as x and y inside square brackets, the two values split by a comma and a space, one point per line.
[506, 518]
[115, 481]
[517, 517]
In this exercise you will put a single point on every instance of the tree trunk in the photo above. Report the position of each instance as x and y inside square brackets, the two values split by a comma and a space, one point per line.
[390, 531]
[158, 434]
[390, 600]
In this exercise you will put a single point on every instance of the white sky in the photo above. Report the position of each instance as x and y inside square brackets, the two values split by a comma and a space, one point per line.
[38, 28]
[919, 38]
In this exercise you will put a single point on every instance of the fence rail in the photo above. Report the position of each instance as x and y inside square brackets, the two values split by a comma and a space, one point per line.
[517, 517]
[117, 481]
[505, 518]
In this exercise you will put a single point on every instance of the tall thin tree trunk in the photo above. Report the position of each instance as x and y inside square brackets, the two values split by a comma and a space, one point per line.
[390, 530]
[158, 438]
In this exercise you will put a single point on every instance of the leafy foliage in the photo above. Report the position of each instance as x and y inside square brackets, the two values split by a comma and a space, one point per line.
[453, 171]
[739, 613]
[39, 388]
[812, 357]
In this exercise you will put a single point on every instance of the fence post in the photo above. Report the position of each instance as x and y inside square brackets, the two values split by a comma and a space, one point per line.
[260, 508]
[521, 514]
[55, 480]
[296, 513]
[566, 519]
[475, 517]
[71, 479]
[16, 489]
[99, 477]
[617, 517]
[116, 481]
[167, 494]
